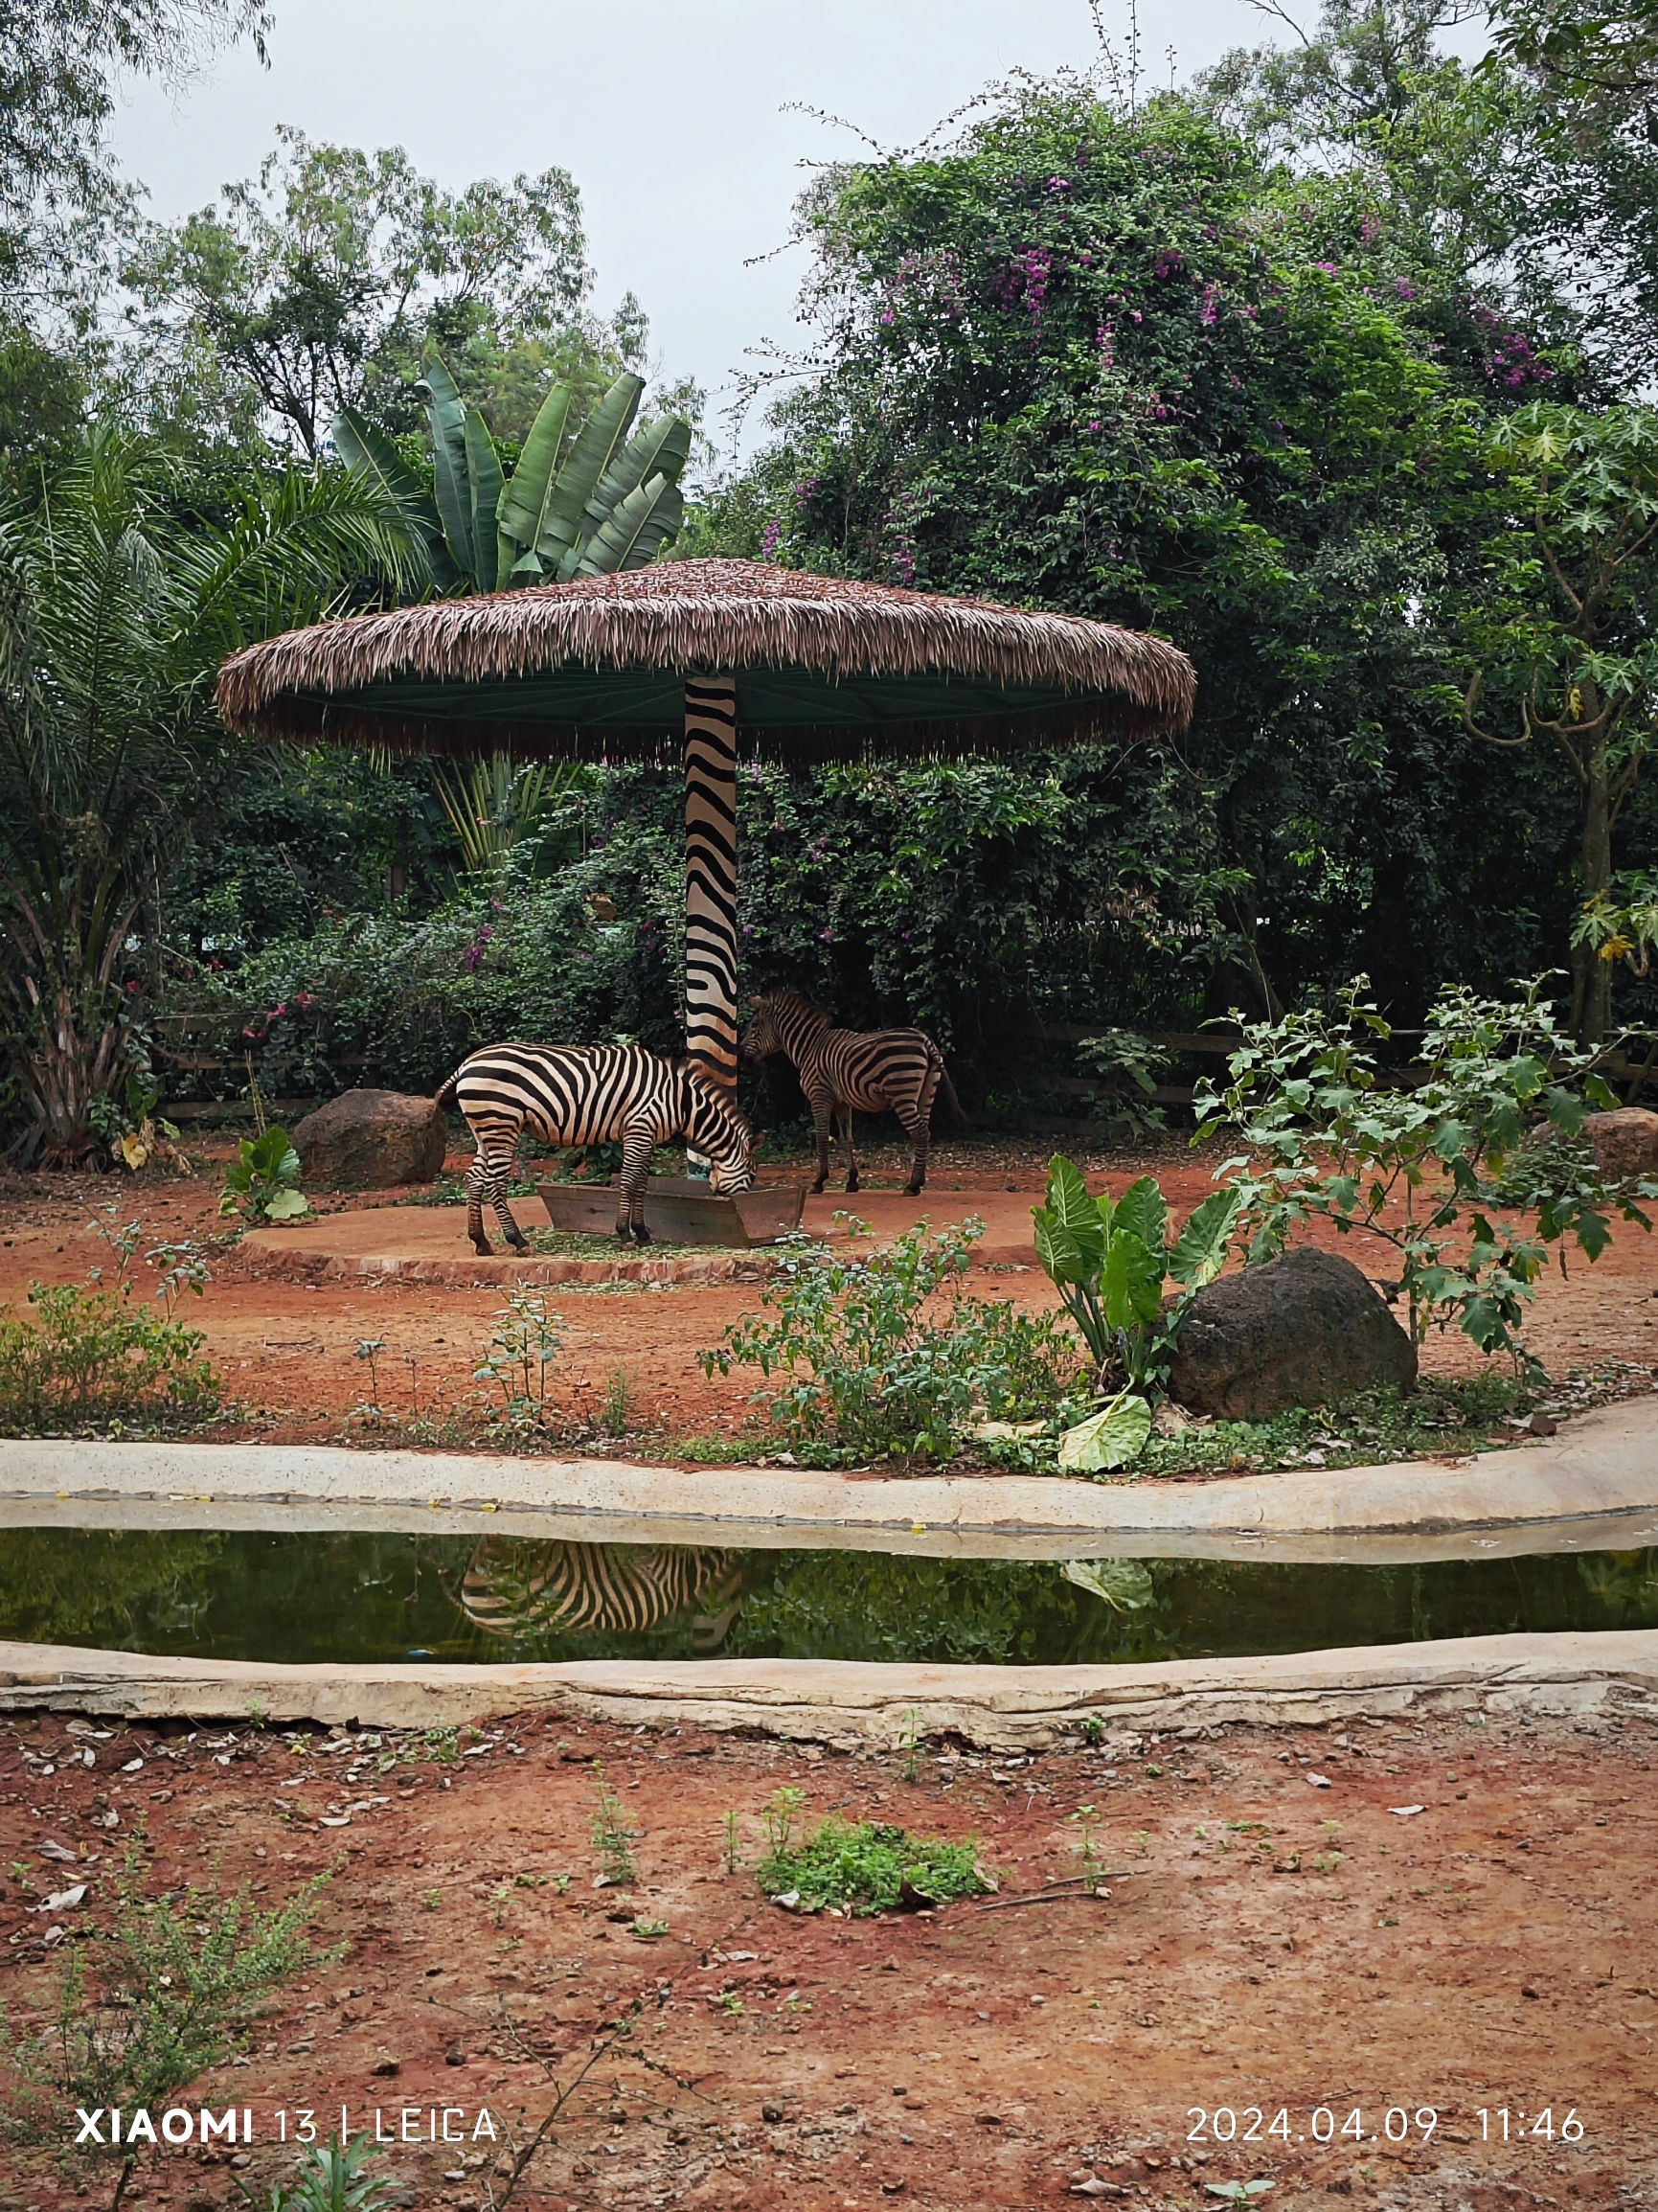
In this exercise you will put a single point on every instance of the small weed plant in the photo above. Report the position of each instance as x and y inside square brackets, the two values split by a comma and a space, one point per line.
[613, 1840]
[331, 2178]
[263, 1182]
[864, 1867]
[880, 1353]
[1418, 1160]
[527, 1341]
[146, 2005]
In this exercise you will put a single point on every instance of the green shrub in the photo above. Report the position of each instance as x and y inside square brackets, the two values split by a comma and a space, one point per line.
[874, 1367]
[88, 1354]
[146, 2005]
[1423, 1162]
[262, 1183]
[871, 1866]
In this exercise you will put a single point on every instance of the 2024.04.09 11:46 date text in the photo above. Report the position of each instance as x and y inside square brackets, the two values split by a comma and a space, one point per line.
[1399, 2124]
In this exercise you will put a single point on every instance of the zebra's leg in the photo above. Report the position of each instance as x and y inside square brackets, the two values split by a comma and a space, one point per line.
[821, 1114]
[852, 1148]
[477, 1179]
[487, 1178]
[637, 1145]
[921, 1135]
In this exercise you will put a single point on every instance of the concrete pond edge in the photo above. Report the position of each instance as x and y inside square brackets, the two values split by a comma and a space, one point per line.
[1593, 1486]
[1596, 1680]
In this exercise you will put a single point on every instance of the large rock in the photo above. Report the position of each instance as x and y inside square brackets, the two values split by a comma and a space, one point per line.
[1299, 1331]
[1624, 1143]
[370, 1140]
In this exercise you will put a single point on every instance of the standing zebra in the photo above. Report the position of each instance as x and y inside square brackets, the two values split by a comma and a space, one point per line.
[590, 1094]
[879, 1071]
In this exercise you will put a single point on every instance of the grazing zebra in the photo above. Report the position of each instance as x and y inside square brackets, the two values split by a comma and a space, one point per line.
[590, 1094]
[878, 1071]
[513, 1587]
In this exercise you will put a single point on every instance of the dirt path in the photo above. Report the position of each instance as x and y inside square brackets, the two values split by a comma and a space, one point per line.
[1276, 1947]
[287, 1349]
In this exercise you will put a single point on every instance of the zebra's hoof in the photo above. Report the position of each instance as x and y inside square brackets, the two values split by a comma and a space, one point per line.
[912, 1190]
[817, 1190]
[642, 1234]
[519, 1243]
[852, 1184]
[481, 1246]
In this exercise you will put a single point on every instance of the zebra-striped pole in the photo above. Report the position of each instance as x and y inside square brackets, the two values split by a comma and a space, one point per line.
[711, 880]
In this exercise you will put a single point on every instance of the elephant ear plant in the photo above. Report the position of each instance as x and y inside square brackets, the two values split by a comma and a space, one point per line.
[1109, 1261]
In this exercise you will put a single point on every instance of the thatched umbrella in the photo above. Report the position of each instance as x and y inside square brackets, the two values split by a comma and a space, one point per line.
[712, 655]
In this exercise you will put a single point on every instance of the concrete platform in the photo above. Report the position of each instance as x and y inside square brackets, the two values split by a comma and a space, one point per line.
[429, 1244]
[1612, 1674]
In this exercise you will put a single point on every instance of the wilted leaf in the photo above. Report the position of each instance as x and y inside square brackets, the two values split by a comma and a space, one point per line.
[1109, 1438]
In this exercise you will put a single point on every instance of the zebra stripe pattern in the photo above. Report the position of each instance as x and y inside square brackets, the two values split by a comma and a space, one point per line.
[589, 1094]
[710, 878]
[896, 1071]
[512, 1588]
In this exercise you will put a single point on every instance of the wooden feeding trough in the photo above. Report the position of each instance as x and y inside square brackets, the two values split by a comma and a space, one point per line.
[681, 1211]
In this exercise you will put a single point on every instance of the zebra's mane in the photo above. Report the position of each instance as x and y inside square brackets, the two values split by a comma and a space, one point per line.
[698, 1076]
[782, 996]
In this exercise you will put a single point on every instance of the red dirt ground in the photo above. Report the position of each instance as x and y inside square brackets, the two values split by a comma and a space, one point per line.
[1275, 1948]
[286, 1348]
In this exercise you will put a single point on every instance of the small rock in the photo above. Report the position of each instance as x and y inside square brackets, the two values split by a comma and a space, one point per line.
[388, 2067]
[454, 2056]
[771, 2112]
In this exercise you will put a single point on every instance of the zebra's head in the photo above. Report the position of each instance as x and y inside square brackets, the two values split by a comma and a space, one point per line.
[773, 1018]
[759, 1038]
[714, 1127]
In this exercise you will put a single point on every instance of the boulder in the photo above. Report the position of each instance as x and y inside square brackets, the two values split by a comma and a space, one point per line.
[370, 1140]
[1624, 1143]
[1299, 1331]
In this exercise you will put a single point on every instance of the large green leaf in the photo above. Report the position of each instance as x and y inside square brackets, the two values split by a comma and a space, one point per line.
[523, 504]
[1200, 1249]
[372, 455]
[1142, 1212]
[1131, 1280]
[564, 523]
[1125, 1585]
[1071, 1210]
[484, 482]
[1109, 1438]
[1058, 1252]
[447, 417]
[661, 449]
[636, 532]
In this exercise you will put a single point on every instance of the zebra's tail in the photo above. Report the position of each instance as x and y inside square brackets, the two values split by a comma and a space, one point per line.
[949, 1088]
[448, 1091]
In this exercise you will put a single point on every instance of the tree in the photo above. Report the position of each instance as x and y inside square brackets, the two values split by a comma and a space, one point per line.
[1119, 364]
[584, 499]
[317, 284]
[116, 608]
[1563, 637]
[57, 61]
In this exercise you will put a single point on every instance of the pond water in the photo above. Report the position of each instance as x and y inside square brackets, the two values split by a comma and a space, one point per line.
[319, 1597]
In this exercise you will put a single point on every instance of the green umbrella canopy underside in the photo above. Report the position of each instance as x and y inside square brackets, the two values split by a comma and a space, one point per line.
[825, 669]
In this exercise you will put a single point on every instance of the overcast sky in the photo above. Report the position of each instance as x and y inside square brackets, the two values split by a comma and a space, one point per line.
[666, 112]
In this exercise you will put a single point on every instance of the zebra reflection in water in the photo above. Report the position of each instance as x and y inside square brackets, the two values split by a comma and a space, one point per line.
[522, 1588]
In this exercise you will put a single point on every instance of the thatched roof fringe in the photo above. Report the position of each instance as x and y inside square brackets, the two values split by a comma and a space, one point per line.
[307, 720]
[695, 615]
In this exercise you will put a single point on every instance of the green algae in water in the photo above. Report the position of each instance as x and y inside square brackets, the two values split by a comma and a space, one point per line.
[320, 1598]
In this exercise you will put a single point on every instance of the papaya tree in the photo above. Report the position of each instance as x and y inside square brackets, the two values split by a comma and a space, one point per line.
[585, 498]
